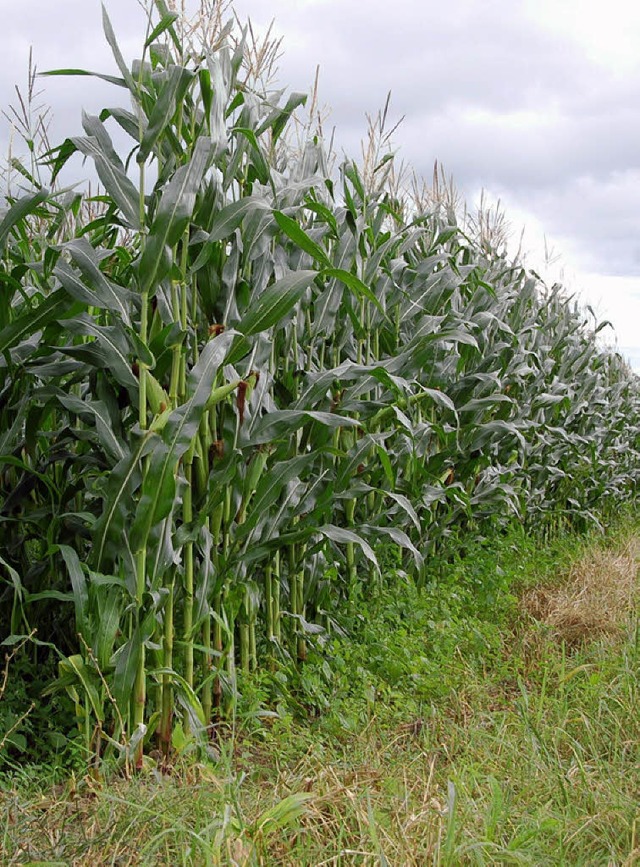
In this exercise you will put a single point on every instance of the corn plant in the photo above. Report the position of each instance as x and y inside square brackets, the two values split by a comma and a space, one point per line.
[235, 375]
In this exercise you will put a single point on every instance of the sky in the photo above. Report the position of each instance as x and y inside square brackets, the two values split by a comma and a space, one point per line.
[534, 102]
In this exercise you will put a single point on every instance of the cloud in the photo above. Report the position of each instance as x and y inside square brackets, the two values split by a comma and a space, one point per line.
[494, 93]
[600, 220]
[509, 95]
[66, 34]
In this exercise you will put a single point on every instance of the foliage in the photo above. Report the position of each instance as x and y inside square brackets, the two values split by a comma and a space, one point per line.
[230, 384]
[529, 758]
[41, 729]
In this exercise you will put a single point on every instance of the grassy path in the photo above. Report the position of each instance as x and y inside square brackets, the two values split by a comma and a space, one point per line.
[530, 756]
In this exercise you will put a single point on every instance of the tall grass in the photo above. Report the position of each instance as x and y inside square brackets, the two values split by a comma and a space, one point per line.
[230, 383]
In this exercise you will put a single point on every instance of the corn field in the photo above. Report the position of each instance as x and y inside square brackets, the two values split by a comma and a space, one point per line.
[236, 379]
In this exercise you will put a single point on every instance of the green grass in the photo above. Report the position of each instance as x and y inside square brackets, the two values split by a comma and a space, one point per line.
[445, 734]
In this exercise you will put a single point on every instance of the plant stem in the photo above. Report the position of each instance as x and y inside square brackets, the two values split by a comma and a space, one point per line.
[165, 729]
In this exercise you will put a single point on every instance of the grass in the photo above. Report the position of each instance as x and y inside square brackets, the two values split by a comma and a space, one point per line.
[506, 736]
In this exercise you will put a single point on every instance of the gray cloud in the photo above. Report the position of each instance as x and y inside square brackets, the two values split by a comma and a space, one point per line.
[597, 221]
[486, 55]
[67, 34]
[503, 101]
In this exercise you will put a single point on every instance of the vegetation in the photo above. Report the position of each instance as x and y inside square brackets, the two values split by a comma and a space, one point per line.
[244, 395]
[525, 754]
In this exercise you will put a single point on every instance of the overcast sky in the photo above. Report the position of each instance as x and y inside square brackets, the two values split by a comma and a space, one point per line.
[535, 101]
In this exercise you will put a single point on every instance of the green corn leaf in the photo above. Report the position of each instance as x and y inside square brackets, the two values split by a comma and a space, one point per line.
[79, 587]
[74, 669]
[164, 24]
[444, 236]
[326, 214]
[120, 82]
[206, 90]
[12, 435]
[348, 467]
[283, 422]
[109, 614]
[9, 289]
[604, 324]
[456, 335]
[110, 349]
[125, 119]
[20, 167]
[58, 157]
[495, 431]
[219, 102]
[117, 506]
[72, 283]
[19, 594]
[438, 397]
[95, 412]
[158, 488]
[354, 283]
[97, 132]
[57, 595]
[284, 814]
[127, 659]
[98, 146]
[174, 213]
[113, 44]
[17, 213]
[259, 162]
[99, 290]
[142, 351]
[398, 536]
[161, 553]
[12, 461]
[275, 302]
[164, 13]
[342, 536]
[270, 487]
[279, 117]
[225, 223]
[157, 499]
[48, 311]
[406, 505]
[387, 466]
[351, 172]
[544, 399]
[185, 694]
[482, 403]
[300, 237]
[164, 107]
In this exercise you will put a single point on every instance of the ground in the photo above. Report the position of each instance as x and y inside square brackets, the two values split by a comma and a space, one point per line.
[531, 759]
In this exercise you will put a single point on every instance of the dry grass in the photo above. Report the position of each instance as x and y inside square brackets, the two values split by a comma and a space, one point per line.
[387, 801]
[596, 598]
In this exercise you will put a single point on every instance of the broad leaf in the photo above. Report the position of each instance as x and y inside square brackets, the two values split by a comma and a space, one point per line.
[35, 319]
[174, 213]
[18, 211]
[158, 488]
[275, 302]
